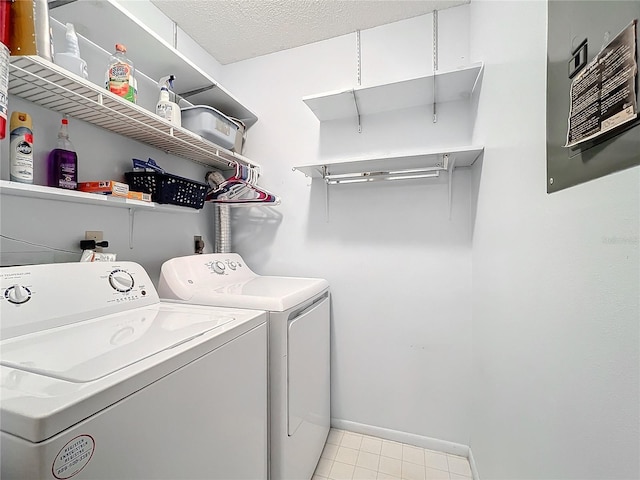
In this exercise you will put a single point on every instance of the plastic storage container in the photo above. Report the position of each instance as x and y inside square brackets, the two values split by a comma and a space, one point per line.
[167, 188]
[211, 124]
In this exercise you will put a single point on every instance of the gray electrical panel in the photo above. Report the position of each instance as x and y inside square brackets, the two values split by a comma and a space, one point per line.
[593, 126]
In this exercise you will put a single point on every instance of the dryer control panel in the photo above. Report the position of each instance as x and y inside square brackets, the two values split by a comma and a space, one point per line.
[224, 266]
[35, 297]
[180, 277]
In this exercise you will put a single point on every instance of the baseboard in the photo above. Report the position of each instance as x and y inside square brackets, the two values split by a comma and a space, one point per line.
[472, 463]
[404, 437]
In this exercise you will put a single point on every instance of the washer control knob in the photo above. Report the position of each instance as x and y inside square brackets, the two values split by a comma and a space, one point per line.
[17, 294]
[121, 281]
[218, 267]
[232, 265]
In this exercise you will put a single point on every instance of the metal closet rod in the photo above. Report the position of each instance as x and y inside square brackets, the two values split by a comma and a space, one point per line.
[359, 177]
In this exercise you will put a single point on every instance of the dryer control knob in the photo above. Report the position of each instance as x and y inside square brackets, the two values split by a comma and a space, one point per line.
[121, 281]
[232, 265]
[17, 294]
[218, 267]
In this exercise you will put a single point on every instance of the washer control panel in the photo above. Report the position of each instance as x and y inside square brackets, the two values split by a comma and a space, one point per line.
[33, 297]
[121, 280]
[17, 294]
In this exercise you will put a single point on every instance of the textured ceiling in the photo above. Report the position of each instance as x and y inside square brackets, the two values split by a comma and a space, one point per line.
[234, 30]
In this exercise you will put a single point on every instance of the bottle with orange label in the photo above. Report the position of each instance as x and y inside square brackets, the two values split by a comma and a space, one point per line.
[120, 76]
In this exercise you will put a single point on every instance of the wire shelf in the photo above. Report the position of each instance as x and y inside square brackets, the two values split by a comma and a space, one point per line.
[44, 83]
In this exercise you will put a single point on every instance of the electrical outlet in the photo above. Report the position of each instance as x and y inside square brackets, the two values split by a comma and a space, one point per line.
[198, 244]
[94, 235]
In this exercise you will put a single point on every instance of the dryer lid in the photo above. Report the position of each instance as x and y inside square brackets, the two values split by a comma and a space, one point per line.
[86, 351]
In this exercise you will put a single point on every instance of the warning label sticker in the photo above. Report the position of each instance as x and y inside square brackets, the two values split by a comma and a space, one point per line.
[603, 94]
[73, 457]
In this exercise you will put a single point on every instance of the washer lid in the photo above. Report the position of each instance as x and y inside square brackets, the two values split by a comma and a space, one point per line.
[139, 348]
[275, 294]
[86, 351]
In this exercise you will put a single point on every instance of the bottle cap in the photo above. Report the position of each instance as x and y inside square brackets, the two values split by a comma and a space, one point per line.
[65, 121]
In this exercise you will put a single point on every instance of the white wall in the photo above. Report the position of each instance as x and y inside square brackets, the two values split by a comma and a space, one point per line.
[400, 270]
[556, 282]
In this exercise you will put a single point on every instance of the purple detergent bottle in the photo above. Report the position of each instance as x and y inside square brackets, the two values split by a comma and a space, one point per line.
[63, 161]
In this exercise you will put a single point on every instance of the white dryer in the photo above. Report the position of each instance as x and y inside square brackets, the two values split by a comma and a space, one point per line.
[101, 380]
[299, 360]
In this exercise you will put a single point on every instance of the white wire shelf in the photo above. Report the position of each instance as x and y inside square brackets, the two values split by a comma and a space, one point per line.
[107, 22]
[60, 194]
[48, 85]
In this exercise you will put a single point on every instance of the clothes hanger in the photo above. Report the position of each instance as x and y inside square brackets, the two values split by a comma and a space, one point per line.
[241, 189]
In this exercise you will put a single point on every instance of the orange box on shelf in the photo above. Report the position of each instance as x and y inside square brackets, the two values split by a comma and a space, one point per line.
[106, 187]
[145, 197]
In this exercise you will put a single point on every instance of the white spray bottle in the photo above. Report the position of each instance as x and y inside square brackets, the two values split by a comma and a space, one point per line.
[70, 59]
[165, 108]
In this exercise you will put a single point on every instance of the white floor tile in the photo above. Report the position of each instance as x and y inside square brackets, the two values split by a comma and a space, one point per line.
[436, 460]
[368, 460]
[352, 456]
[351, 440]
[347, 455]
[433, 474]
[391, 449]
[371, 445]
[341, 471]
[412, 471]
[459, 465]
[390, 466]
[413, 454]
[364, 474]
[386, 476]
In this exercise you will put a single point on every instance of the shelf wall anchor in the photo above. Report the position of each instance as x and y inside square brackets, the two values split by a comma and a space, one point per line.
[359, 75]
[359, 57]
[435, 62]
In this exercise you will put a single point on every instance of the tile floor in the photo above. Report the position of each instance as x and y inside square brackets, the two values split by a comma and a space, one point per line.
[351, 456]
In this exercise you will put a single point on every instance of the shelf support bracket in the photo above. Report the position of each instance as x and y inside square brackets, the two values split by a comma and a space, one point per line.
[452, 166]
[132, 213]
[326, 192]
[355, 102]
[435, 62]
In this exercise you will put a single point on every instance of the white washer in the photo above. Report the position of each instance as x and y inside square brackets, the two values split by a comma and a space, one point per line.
[101, 380]
[299, 360]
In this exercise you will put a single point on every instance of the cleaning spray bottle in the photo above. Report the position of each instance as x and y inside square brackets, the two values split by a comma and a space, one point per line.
[63, 161]
[70, 59]
[165, 108]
